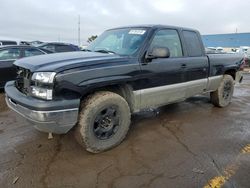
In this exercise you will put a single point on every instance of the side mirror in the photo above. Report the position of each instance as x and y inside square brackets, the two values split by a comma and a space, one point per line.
[158, 52]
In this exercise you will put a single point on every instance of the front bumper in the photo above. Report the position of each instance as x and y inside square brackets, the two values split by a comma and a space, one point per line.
[47, 116]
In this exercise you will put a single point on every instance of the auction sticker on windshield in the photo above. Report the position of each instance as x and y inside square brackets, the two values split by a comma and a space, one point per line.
[137, 32]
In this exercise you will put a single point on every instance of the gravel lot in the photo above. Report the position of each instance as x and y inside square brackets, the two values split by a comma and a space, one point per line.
[188, 144]
[3, 106]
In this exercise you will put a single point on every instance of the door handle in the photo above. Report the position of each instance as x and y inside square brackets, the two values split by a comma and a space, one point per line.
[183, 66]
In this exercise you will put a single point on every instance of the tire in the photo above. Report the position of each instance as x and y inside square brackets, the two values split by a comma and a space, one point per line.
[223, 95]
[104, 121]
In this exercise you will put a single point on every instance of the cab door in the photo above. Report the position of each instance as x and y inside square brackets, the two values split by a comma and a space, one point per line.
[197, 67]
[163, 78]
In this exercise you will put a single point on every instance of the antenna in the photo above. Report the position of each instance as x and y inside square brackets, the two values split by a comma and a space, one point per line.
[79, 30]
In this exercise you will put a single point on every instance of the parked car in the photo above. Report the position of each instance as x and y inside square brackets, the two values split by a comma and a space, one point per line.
[59, 47]
[36, 43]
[8, 54]
[212, 50]
[123, 71]
[245, 50]
[24, 43]
[7, 42]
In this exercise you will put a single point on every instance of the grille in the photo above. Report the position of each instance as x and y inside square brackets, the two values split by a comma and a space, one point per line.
[23, 80]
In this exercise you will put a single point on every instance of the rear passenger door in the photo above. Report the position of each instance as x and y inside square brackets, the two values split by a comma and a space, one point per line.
[197, 67]
[163, 77]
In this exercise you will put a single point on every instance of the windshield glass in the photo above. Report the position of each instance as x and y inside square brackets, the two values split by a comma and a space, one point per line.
[119, 41]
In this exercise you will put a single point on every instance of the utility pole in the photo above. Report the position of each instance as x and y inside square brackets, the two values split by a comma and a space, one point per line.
[79, 30]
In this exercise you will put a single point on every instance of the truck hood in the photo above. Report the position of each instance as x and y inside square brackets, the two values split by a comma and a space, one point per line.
[69, 60]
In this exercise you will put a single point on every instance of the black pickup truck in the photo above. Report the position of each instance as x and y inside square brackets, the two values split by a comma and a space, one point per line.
[123, 71]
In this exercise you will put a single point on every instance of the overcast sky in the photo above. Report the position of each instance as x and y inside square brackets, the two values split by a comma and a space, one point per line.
[54, 20]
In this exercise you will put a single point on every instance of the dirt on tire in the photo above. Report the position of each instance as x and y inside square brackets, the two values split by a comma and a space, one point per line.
[217, 96]
[88, 109]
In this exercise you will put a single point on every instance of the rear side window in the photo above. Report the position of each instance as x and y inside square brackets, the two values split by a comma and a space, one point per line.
[194, 47]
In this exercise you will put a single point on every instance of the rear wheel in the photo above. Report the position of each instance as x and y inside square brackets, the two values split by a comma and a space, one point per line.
[104, 121]
[223, 95]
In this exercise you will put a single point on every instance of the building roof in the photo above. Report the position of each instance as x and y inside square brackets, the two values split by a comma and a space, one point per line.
[232, 40]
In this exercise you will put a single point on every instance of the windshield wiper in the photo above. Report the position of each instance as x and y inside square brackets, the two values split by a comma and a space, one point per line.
[105, 51]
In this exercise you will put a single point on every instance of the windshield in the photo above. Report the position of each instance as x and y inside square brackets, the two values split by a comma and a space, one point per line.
[119, 41]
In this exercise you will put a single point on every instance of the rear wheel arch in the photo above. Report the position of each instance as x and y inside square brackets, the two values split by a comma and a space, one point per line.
[231, 72]
[222, 96]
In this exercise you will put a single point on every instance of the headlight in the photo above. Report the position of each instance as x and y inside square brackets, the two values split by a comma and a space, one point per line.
[44, 77]
[42, 92]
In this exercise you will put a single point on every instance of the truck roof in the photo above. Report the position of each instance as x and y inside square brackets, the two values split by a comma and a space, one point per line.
[154, 26]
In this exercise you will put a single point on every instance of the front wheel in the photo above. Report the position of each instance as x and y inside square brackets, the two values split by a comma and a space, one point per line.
[104, 121]
[223, 95]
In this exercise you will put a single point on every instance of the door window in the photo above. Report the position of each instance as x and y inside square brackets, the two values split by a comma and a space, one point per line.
[168, 38]
[194, 47]
[50, 47]
[9, 54]
[32, 52]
